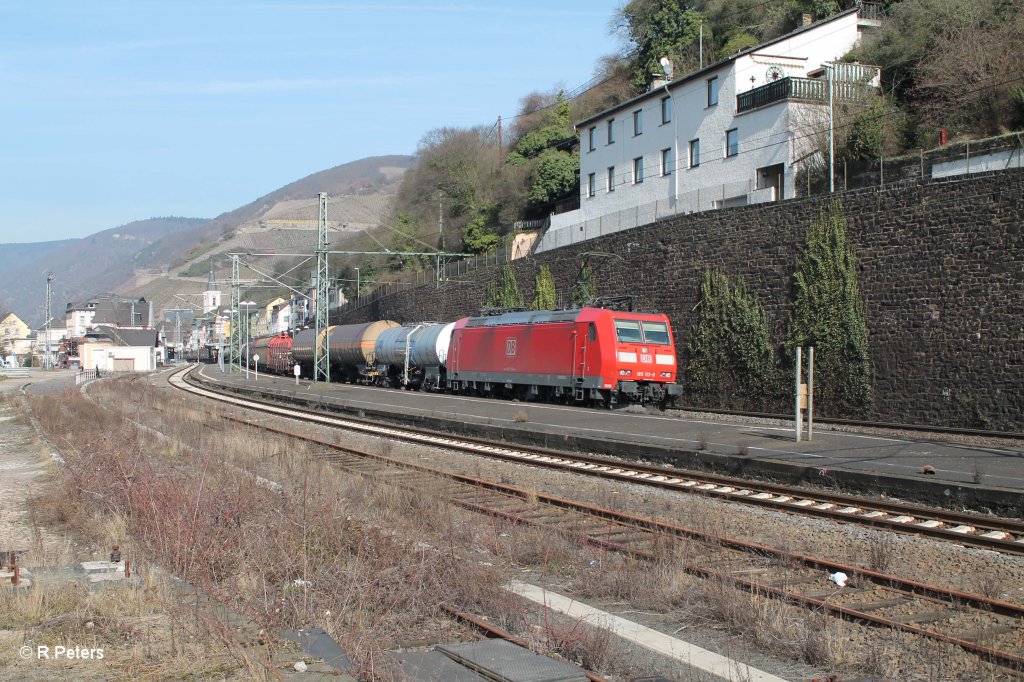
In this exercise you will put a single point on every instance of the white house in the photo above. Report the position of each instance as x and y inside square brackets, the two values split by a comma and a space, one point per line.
[727, 135]
[111, 349]
[108, 309]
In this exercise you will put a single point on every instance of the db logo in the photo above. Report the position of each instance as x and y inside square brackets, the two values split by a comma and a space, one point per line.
[510, 346]
[646, 358]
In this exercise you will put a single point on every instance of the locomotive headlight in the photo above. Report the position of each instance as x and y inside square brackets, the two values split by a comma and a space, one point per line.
[625, 372]
[666, 375]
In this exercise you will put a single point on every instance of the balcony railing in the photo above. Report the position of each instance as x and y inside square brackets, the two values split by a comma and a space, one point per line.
[872, 11]
[803, 90]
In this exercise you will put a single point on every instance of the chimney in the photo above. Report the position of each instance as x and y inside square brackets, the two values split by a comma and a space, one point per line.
[806, 19]
[661, 79]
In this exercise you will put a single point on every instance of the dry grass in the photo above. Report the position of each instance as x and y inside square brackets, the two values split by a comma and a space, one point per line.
[365, 560]
[141, 629]
[881, 552]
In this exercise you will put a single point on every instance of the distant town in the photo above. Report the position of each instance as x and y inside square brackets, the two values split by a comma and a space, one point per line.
[112, 333]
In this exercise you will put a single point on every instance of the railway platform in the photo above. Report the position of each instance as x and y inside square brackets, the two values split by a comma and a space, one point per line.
[963, 472]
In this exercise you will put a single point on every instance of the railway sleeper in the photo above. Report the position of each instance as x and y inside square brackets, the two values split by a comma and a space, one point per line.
[987, 634]
[876, 605]
[926, 617]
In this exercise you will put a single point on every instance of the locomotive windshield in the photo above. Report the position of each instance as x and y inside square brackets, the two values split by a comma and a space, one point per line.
[628, 331]
[656, 332]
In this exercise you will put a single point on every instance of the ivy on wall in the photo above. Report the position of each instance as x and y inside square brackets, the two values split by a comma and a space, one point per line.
[730, 361]
[584, 290]
[544, 297]
[829, 315]
[505, 292]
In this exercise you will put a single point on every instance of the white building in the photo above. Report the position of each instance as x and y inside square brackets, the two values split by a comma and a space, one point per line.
[211, 297]
[108, 309]
[728, 135]
[110, 349]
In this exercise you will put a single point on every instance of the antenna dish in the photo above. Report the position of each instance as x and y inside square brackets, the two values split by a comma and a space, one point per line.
[666, 66]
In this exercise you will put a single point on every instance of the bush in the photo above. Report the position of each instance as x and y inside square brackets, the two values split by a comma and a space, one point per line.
[730, 358]
[829, 315]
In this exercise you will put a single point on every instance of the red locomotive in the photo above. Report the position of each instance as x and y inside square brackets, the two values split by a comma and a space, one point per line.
[588, 355]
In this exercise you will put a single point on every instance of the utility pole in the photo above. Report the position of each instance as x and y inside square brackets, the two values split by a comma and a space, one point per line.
[179, 347]
[501, 152]
[440, 216]
[49, 281]
[321, 359]
[701, 48]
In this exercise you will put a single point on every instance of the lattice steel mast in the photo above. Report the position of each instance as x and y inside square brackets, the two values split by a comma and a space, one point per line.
[235, 340]
[321, 359]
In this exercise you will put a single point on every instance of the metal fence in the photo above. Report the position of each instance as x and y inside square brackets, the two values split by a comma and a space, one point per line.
[449, 271]
[975, 157]
[726, 195]
[978, 156]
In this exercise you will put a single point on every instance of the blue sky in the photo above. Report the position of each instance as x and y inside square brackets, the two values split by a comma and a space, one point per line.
[118, 111]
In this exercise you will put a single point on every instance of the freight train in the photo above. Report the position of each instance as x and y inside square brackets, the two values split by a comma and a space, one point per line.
[584, 356]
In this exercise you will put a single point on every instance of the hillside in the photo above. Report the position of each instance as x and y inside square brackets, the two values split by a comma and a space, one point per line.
[81, 267]
[360, 195]
[167, 259]
[367, 176]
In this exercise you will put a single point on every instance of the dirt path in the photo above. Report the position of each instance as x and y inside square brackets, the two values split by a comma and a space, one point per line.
[24, 464]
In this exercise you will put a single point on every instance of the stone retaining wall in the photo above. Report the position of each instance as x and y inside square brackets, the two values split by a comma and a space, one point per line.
[941, 272]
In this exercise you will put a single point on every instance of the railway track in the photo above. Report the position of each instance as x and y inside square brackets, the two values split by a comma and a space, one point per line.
[861, 424]
[973, 530]
[991, 629]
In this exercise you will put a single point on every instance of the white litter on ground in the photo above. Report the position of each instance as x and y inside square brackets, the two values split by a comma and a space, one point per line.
[839, 578]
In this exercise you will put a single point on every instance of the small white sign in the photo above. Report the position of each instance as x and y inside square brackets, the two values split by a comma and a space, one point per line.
[256, 357]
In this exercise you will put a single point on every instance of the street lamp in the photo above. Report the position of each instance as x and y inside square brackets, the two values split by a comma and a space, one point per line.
[49, 281]
[247, 304]
[831, 130]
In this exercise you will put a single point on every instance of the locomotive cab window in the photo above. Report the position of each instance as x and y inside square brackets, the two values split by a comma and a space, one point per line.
[628, 331]
[656, 332]
[591, 332]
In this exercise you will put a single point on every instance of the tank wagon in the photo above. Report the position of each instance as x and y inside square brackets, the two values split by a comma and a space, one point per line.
[414, 356]
[350, 349]
[591, 355]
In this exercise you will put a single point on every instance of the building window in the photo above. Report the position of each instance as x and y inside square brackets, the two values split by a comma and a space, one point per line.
[591, 185]
[611, 131]
[732, 142]
[666, 161]
[694, 153]
[638, 122]
[638, 170]
[713, 91]
[593, 138]
[611, 178]
[666, 109]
